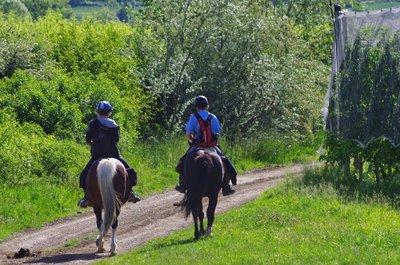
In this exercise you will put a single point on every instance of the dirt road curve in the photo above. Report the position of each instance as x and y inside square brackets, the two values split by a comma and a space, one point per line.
[155, 216]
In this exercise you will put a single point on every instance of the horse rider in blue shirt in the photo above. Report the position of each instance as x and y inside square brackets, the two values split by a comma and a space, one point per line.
[103, 135]
[197, 138]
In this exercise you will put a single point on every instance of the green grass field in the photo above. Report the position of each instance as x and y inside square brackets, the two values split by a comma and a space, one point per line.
[382, 5]
[291, 224]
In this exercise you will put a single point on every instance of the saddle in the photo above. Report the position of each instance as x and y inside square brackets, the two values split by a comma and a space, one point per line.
[181, 163]
[226, 163]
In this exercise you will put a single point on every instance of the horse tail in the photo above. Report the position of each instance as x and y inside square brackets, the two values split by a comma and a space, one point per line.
[186, 205]
[105, 173]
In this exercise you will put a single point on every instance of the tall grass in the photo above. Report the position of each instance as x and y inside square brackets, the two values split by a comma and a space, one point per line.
[32, 205]
[291, 224]
[155, 161]
[351, 187]
[272, 149]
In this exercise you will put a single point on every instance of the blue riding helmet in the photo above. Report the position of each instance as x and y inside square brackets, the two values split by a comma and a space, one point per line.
[104, 105]
[201, 101]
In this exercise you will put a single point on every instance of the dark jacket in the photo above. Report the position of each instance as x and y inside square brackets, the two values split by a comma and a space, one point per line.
[103, 136]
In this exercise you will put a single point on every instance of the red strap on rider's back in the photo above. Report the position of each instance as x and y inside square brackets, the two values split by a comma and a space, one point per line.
[205, 132]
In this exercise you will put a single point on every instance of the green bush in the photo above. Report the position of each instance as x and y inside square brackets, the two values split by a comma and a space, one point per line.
[29, 153]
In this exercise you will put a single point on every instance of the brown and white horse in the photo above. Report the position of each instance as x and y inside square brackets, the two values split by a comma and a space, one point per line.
[108, 188]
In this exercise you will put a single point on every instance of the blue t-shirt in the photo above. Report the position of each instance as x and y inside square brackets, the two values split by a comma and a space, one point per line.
[193, 125]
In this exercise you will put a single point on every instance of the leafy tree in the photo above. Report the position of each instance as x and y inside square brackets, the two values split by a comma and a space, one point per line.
[75, 3]
[230, 51]
[65, 68]
[366, 124]
[35, 8]
[17, 50]
[122, 15]
[38, 8]
[312, 19]
[15, 6]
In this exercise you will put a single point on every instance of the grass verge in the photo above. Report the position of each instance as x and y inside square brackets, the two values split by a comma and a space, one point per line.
[32, 205]
[291, 224]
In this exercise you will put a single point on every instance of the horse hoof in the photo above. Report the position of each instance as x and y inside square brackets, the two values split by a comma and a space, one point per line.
[209, 232]
[113, 253]
[101, 250]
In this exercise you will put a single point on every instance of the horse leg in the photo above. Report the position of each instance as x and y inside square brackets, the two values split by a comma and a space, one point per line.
[114, 243]
[99, 221]
[212, 204]
[201, 218]
[196, 226]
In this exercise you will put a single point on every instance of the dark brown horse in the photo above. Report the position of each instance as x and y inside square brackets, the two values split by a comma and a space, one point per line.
[108, 188]
[204, 173]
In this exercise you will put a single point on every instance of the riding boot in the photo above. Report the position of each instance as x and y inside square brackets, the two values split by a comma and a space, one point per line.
[132, 176]
[227, 190]
[181, 187]
[134, 197]
[84, 202]
[230, 169]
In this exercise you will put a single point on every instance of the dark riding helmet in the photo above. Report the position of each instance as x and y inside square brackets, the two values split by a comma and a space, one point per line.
[104, 106]
[201, 102]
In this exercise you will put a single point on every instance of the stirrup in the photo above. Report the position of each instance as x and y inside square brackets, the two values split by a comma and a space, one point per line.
[83, 203]
[180, 189]
[226, 191]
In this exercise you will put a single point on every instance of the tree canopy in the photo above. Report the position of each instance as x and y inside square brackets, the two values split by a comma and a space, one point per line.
[257, 63]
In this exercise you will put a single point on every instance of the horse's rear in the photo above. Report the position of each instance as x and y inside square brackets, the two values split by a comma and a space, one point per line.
[203, 177]
[108, 188]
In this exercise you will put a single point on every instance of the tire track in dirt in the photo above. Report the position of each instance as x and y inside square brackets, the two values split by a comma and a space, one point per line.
[153, 217]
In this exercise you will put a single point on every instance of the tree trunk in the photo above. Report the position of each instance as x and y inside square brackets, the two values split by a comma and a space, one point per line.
[358, 164]
[346, 168]
[389, 171]
[377, 175]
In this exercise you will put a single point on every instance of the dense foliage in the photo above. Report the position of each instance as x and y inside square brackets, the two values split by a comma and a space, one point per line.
[35, 8]
[364, 116]
[251, 65]
[255, 65]
[55, 71]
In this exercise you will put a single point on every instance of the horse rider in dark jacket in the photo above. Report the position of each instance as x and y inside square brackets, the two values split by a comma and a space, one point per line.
[103, 135]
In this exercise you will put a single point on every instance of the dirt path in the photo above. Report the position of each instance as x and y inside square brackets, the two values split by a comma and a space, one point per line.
[153, 217]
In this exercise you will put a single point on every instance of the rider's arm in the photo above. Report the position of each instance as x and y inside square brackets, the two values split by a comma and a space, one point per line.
[115, 134]
[215, 126]
[89, 133]
[190, 127]
[189, 135]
